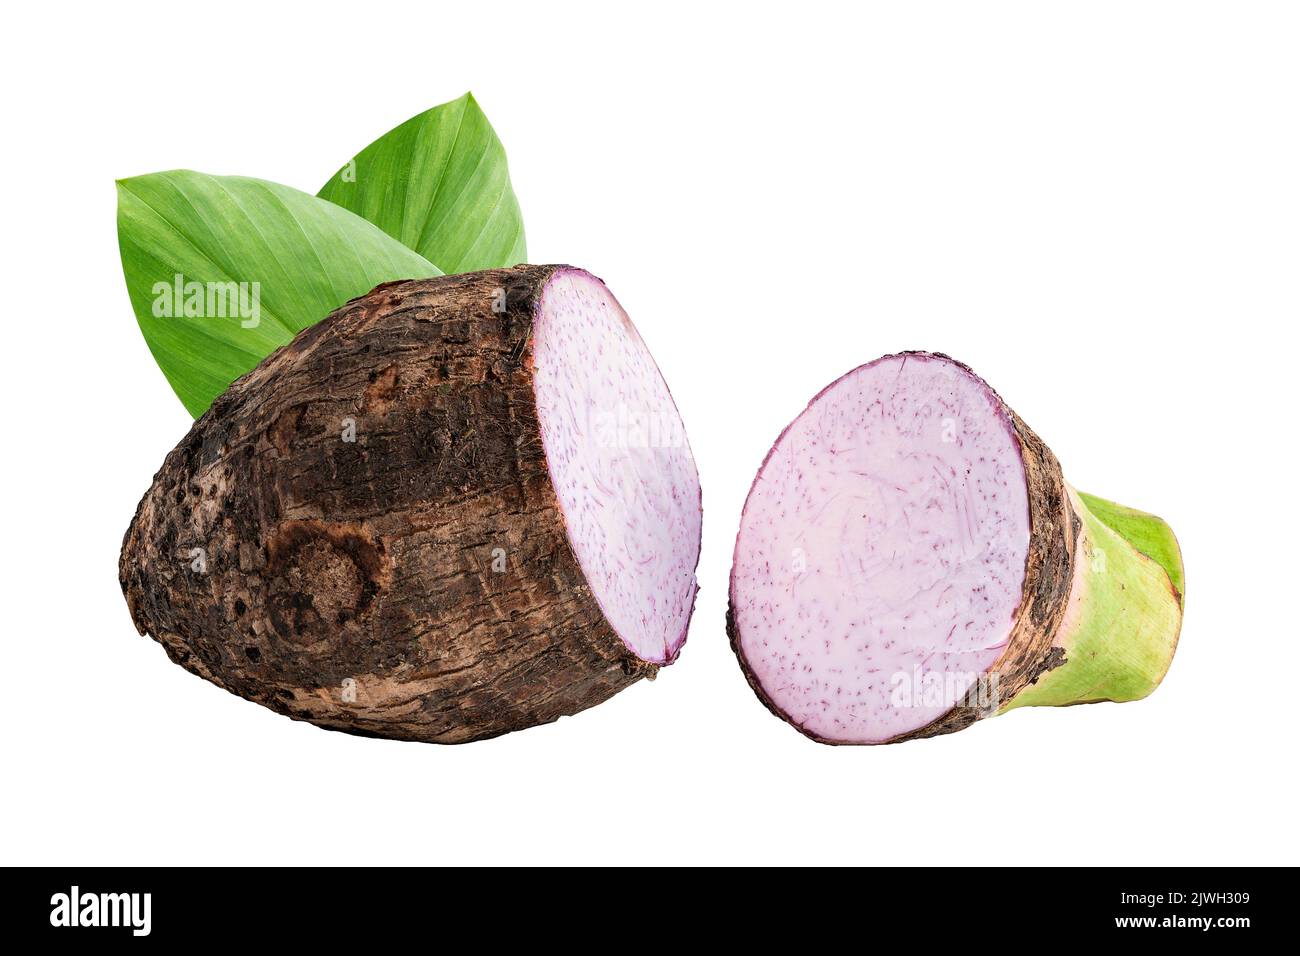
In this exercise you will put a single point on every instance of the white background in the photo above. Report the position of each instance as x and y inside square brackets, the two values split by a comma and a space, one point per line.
[1096, 205]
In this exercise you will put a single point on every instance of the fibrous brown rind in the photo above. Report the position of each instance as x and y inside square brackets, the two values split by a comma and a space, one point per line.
[362, 533]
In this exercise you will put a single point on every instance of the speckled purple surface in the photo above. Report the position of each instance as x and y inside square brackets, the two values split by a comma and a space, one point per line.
[620, 463]
[881, 554]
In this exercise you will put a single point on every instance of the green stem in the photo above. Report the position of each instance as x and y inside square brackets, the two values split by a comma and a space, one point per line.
[1125, 610]
[1147, 533]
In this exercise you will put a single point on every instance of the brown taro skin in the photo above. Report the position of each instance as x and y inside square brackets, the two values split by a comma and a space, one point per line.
[349, 584]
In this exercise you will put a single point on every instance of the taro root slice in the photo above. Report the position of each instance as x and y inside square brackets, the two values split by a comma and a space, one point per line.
[619, 464]
[910, 560]
[454, 508]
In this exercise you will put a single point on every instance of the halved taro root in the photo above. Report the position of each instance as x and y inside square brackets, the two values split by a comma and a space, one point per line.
[454, 508]
[910, 560]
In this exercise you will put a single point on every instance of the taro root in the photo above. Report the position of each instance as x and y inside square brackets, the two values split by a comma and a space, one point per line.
[454, 508]
[911, 560]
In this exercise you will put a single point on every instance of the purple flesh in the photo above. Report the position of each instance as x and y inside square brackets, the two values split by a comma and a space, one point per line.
[881, 554]
[620, 464]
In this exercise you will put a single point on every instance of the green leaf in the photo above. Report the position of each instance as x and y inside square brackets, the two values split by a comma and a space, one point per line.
[298, 257]
[439, 185]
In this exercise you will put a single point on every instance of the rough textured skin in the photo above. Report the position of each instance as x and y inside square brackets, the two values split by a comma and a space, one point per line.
[1054, 533]
[352, 584]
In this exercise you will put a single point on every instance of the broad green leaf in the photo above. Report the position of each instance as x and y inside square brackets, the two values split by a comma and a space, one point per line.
[438, 184]
[257, 263]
